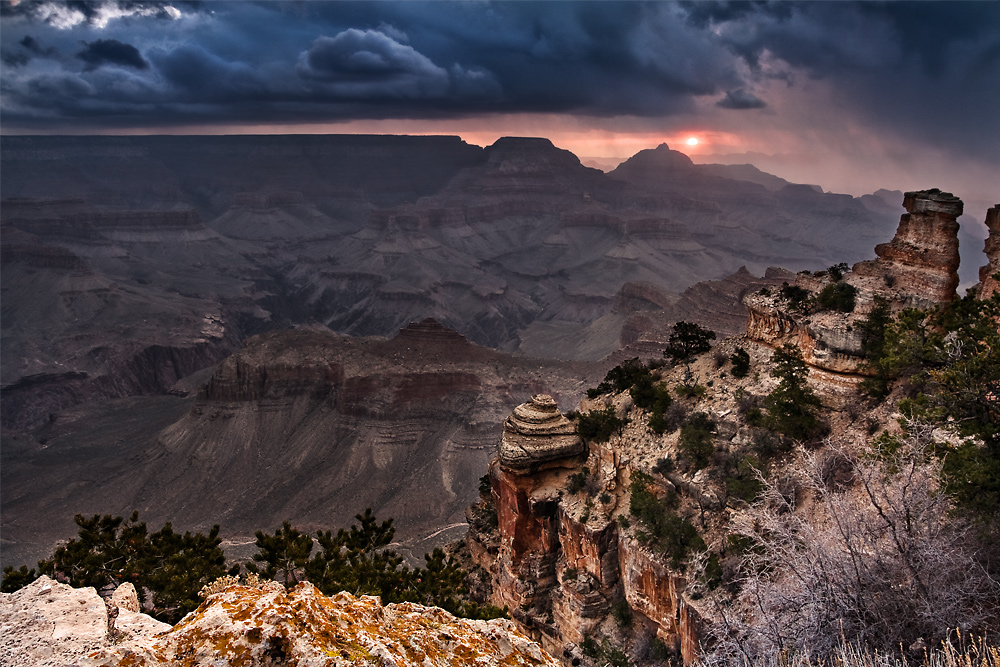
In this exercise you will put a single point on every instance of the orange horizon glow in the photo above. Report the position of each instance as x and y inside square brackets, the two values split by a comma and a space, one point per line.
[566, 132]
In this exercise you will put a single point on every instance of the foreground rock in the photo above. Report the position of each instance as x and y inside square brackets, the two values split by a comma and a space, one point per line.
[269, 626]
[49, 624]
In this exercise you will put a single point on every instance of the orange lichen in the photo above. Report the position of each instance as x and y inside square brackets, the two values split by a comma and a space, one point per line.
[245, 627]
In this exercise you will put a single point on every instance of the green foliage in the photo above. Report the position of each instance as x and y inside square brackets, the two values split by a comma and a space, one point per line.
[792, 407]
[285, 554]
[741, 363]
[359, 561]
[173, 567]
[622, 613]
[696, 440]
[743, 482]
[797, 297]
[687, 340]
[663, 529]
[108, 551]
[837, 296]
[16, 579]
[837, 271]
[686, 391]
[599, 425]
[621, 377]
[577, 481]
[664, 466]
[655, 398]
[950, 359]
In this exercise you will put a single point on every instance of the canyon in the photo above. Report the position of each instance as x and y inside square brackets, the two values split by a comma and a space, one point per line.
[299, 328]
[127, 266]
[557, 528]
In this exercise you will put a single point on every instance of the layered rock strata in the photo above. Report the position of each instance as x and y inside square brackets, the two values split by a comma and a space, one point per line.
[537, 435]
[558, 563]
[919, 267]
[272, 626]
[988, 283]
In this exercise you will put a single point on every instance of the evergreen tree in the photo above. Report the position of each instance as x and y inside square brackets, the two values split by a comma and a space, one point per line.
[792, 407]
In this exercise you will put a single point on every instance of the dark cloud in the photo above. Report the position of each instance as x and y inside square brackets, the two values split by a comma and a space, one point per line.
[111, 52]
[741, 99]
[925, 71]
[370, 64]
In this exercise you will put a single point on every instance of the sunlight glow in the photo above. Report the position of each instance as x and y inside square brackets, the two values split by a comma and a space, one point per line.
[692, 141]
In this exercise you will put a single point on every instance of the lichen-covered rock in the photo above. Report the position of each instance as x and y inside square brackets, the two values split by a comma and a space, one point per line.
[251, 627]
[537, 435]
[49, 624]
[987, 283]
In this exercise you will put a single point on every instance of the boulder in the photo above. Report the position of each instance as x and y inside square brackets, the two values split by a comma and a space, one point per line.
[49, 624]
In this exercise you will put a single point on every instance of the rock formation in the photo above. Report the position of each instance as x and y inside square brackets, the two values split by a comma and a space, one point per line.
[50, 624]
[559, 563]
[303, 424]
[988, 283]
[916, 269]
[537, 436]
[919, 267]
[133, 262]
[269, 626]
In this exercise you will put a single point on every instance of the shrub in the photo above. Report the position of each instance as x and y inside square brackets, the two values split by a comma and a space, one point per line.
[621, 377]
[687, 340]
[685, 391]
[622, 613]
[663, 530]
[743, 482]
[881, 567]
[696, 440]
[837, 296]
[599, 425]
[664, 465]
[796, 296]
[837, 271]
[577, 481]
[741, 363]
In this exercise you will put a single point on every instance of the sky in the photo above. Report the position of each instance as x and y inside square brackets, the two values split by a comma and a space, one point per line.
[853, 96]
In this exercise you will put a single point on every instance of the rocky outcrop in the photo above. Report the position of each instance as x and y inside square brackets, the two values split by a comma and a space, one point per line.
[559, 562]
[919, 267]
[537, 436]
[271, 626]
[988, 283]
[50, 624]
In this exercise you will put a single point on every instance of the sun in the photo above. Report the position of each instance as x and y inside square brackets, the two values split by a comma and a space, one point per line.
[692, 141]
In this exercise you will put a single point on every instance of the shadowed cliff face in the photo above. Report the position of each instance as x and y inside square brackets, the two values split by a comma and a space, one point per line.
[304, 424]
[114, 246]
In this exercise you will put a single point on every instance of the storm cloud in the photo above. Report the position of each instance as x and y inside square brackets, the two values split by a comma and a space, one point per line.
[112, 52]
[924, 72]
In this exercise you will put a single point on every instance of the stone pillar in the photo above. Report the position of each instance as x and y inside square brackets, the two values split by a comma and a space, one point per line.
[988, 285]
[919, 267]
